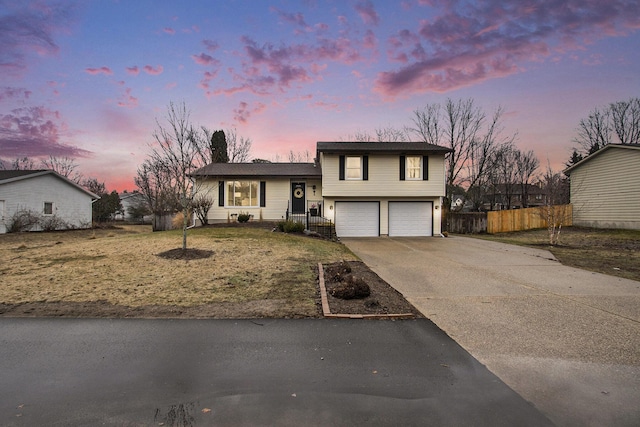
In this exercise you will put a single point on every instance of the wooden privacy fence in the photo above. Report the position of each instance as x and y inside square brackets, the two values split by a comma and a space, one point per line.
[528, 219]
[467, 222]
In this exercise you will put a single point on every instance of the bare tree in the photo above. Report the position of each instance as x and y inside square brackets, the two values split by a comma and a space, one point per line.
[300, 156]
[625, 116]
[176, 154]
[23, 163]
[384, 134]
[618, 122]
[594, 132]
[555, 211]
[65, 166]
[201, 206]
[238, 147]
[526, 164]
[463, 127]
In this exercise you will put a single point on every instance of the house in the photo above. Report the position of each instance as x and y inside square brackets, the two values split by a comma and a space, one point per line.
[131, 201]
[52, 201]
[365, 188]
[604, 188]
[510, 196]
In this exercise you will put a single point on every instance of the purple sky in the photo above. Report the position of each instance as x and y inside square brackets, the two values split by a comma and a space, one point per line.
[89, 79]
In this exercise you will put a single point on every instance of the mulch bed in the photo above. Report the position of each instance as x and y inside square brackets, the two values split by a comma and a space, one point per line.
[383, 299]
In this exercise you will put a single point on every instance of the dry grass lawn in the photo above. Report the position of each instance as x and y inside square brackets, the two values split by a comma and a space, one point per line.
[613, 252]
[121, 266]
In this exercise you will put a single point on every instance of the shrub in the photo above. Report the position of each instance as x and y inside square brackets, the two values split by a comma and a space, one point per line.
[290, 226]
[53, 223]
[243, 217]
[23, 220]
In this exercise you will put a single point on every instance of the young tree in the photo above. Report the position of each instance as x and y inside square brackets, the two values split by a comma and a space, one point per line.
[556, 209]
[176, 154]
[154, 181]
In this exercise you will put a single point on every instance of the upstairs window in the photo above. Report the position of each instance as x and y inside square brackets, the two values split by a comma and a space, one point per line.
[354, 167]
[414, 167]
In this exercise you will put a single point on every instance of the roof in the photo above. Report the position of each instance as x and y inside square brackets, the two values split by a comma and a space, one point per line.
[8, 176]
[599, 152]
[238, 170]
[381, 147]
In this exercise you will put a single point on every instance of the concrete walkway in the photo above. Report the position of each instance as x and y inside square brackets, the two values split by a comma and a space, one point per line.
[565, 339]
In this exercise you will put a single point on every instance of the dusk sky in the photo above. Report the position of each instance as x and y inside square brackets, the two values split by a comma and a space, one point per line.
[88, 79]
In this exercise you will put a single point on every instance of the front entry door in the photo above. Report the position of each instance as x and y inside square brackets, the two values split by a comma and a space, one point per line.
[298, 197]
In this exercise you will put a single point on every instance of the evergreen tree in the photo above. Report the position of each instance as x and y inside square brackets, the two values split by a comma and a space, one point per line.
[219, 147]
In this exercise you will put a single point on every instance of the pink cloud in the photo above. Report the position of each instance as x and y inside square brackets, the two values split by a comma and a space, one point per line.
[169, 30]
[134, 71]
[35, 132]
[26, 29]
[14, 93]
[204, 59]
[367, 12]
[127, 100]
[171, 85]
[244, 111]
[210, 45]
[102, 70]
[291, 18]
[467, 44]
[154, 71]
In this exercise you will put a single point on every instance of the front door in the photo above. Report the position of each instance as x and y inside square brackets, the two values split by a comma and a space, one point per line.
[298, 197]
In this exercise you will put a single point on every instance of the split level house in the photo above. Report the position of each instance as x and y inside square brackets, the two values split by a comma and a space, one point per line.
[365, 188]
[55, 201]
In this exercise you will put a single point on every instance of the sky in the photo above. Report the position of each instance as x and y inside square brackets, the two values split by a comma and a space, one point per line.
[91, 79]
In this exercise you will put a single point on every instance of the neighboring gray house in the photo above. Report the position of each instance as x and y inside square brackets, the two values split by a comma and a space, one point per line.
[58, 202]
[365, 188]
[605, 188]
[129, 200]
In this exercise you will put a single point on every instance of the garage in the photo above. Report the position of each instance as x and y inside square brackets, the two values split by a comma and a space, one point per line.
[410, 218]
[357, 219]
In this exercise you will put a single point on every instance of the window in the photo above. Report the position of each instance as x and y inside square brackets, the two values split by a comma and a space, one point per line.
[48, 208]
[414, 164]
[242, 193]
[354, 167]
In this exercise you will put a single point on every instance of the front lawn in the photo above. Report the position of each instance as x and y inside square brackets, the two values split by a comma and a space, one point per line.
[613, 252]
[268, 271]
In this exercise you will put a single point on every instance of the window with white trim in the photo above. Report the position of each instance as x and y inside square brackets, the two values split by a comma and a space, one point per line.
[414, 167]
[48, 208]
[242, 193]
[353, 167]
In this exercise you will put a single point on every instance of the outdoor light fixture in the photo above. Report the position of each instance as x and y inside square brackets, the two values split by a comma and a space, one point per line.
[314, 189]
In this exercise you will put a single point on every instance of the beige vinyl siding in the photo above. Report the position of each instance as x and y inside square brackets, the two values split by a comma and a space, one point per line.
[278, 192]
[384, 179]
[605, 191]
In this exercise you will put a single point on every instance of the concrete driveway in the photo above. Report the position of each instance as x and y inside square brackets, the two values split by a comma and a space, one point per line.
[565, 339]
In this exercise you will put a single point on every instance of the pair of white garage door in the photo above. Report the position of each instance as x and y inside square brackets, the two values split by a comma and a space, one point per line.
[362, 219]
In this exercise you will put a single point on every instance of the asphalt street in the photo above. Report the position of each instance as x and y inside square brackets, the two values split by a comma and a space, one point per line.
[313, 372]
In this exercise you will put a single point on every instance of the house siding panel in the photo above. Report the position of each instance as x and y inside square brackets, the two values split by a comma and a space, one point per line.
[384, 180]
[277, 190]
[71, 205]
[605, 191]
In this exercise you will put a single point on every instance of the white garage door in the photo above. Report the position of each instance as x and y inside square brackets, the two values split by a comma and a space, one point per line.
[410, 219]
[357, 219]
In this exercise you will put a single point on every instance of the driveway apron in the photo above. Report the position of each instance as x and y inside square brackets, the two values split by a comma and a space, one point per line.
[567, 340]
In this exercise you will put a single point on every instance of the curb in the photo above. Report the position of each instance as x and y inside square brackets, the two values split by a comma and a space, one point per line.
[326, 312]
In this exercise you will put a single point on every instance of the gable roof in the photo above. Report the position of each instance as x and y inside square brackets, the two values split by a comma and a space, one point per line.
[265, 170]
[599, 152]
[382, 147]
[8, 176]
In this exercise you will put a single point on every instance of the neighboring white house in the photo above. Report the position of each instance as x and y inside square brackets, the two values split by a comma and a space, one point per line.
[55, 200]
[605, 188]
[365, 188]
